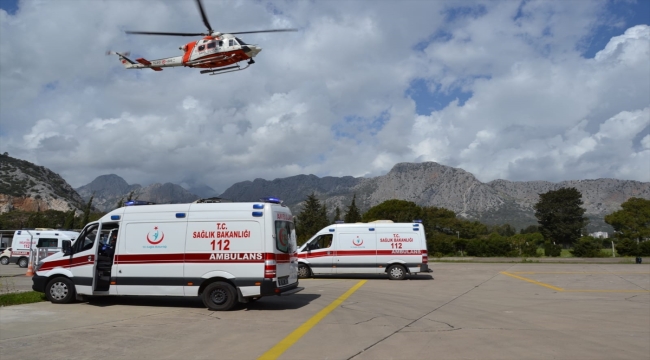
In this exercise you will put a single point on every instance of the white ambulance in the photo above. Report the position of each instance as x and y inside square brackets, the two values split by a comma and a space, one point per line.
[224, 252]
[377, 247]
[24, 240]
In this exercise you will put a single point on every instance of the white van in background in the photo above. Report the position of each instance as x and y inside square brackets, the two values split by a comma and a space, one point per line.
[223, 252]
[26, 240]
[382, 246]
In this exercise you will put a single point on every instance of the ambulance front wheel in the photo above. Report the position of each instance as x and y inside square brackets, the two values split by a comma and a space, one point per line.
[396, 272]
[219, 296]
[4, 260]
[60, 290]
[303, 271]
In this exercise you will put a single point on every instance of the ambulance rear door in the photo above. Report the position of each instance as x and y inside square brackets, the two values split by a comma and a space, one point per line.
[402, 244]
[285, 247]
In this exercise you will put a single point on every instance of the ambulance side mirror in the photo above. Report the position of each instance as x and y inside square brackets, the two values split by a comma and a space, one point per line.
[66, 246]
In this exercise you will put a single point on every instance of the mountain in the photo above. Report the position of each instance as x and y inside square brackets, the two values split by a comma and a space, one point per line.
[29, 187]
[433, 184]
[109, 190]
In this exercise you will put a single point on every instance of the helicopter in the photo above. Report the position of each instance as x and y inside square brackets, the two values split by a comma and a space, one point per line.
[217, 52]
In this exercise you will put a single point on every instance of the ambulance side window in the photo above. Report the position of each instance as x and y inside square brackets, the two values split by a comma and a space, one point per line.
[321, 242]
[86, 239]
[45, 243]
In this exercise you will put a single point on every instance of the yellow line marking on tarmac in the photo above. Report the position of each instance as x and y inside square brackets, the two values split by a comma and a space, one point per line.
[580, 272]
[292, 338]
[532, 281]
[565, 290]
[610, 291]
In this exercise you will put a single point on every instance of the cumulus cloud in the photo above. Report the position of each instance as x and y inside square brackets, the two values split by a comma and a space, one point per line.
[331, 99]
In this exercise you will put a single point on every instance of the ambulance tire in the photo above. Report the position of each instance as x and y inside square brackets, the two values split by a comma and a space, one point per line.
[23, 262]
[396, 272]
[304, 271]
[219, 296]
[60, 291]
[4, 260]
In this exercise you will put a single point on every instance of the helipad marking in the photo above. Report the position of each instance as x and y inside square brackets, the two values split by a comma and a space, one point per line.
[292, 338]
[568, 290]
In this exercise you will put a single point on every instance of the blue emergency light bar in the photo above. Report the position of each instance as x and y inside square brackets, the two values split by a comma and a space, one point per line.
[138, 202]
[417, 221]
[271, 199]
[339, 222]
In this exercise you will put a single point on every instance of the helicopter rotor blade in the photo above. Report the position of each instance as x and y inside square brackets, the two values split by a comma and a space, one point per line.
[163, 33]
[263, 31]
[204, 16]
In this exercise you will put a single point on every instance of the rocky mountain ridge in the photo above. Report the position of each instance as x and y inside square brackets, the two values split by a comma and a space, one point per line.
[109, 190]
[433, 184]
[29, 187]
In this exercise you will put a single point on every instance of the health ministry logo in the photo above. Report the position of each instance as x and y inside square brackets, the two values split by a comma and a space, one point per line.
[357, 241]
[155, 235]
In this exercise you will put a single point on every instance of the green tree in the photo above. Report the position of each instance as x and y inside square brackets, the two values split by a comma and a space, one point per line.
[627, 247]
[633, 220]
[311, 219]
[587, 246]
[551, 249]
[337, 215]
[530, 229]
[69, 220]
[395, 210]
[353, 214]
[561, 216]
[86, 216]
[644, 248]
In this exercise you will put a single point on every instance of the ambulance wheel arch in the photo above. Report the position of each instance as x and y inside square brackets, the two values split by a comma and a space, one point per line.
[60, 290]
[23, 262]
[213, 280]
[304, 271]
[220, 295]
[396, 271]
[4, 260]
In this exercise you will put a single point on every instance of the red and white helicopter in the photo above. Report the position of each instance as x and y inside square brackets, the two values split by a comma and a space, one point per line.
[216, 52]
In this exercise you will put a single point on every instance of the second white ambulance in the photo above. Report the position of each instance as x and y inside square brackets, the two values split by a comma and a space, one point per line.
[223, 252]
[377, 247]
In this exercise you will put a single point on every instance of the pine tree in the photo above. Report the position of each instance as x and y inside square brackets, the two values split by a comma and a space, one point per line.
[353, 214]
[69, 220]
[337, 215]
[86, 217]
[311, 219]
[561, 216]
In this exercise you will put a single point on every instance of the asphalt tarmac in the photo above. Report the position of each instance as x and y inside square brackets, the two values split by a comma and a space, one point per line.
[461, 311]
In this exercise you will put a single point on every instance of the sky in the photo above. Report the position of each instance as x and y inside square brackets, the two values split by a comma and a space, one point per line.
[515, 90]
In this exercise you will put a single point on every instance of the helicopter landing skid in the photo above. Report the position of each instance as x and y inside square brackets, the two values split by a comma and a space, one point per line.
[225, 70]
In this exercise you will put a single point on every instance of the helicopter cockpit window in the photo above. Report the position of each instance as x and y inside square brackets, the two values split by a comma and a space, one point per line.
[212, 44]
[240, 42]
[201, 47]
[220, 43]
[231, 42]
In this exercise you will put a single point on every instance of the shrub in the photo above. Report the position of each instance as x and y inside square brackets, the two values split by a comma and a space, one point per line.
[587, 246]
[529, 249]
[644, 248]
[476, 247]
[627, 247]
[551, 249]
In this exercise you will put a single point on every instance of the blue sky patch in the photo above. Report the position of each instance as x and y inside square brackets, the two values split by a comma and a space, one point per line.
[617, 17]
[10, 6]
[427, 101]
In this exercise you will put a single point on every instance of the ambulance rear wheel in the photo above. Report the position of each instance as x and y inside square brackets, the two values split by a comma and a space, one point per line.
[303, 271]
[60, 291]
[23, 262]
[396, 272]
[219, 296]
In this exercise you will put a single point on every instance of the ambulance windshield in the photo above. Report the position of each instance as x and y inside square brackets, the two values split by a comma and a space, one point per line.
[285, 236]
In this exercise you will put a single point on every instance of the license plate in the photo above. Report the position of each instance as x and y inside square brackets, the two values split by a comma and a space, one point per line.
[283, 281]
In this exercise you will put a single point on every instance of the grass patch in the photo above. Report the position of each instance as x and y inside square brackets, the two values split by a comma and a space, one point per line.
[27, 297]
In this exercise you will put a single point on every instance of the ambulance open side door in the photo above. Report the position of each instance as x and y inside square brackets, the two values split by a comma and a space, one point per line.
[83, 259]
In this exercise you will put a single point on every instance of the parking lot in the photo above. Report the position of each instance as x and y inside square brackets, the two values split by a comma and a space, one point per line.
[461, 311]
